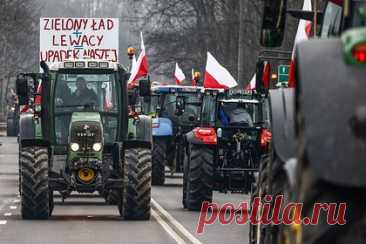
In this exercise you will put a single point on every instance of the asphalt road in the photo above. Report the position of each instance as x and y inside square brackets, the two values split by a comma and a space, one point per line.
[86, 219]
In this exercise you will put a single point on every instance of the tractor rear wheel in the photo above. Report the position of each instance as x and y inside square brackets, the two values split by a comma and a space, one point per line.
[36, 199]
[273, 181]
[185, 179]
[158, 162]
[10, 128]
[136, 197]
[200, 177]
[310, 190]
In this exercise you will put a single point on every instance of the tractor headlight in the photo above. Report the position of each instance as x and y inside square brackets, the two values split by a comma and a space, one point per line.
[97, 146]
[219, 132]
[74, 147]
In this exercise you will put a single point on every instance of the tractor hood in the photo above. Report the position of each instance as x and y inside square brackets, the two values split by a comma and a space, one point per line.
[86, 133]
[86, 117]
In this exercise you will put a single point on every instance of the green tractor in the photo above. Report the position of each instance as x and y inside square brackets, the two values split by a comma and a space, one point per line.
[318, 127]
[79, 137]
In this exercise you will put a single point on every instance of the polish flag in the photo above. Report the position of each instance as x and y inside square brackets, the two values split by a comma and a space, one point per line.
[266, 75]
[216, 76]
[141, 68]
[266, 78]
[179, 75]
[134, 63]
[303, 33]
[252, 83]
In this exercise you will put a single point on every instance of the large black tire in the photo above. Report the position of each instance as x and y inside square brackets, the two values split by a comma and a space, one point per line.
[135, 202]
[10, 128]
[36, 200]
[272, 180]
[313, 191]
[185, 179]
[113, 197]
[158, 162]
[310, 190]
[200, 176]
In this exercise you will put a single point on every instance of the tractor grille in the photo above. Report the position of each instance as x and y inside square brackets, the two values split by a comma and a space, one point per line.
[85, 134]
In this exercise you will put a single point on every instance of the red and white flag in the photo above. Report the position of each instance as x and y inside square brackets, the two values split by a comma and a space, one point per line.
[141, 68]
[265, 79]
[216, 76]
[303, 33]
[179, 75]
[252, 83]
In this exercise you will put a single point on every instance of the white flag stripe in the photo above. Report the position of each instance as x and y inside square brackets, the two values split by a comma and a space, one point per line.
[219, 73]
[179, 75]
[136, 67]
[301, 29]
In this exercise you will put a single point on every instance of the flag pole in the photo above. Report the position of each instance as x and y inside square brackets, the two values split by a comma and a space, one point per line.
[315, 17]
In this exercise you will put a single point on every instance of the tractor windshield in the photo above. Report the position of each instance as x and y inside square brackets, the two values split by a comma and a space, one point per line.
[151, 104]
[85, 92]
[238, 114]
[208, 109]
[191, 109]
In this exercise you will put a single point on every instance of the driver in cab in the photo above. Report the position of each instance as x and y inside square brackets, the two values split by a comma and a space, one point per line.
[83, 95]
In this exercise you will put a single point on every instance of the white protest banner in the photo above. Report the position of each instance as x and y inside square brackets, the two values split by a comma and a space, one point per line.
[78, 38]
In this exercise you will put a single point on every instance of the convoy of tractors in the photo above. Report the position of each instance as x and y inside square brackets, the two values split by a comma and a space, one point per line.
[302, 137]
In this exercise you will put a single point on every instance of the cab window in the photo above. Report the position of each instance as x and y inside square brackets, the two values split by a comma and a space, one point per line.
[332, 20]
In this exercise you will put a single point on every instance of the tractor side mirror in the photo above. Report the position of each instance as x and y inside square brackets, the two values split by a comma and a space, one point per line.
[22, 90]
[273, 23]
[179, 106]
[145, 87]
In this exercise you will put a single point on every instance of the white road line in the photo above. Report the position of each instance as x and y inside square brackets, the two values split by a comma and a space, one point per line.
[16, 201]
[172, 221]
[13, 207]
[5, 203]
[3, 222]
[7, 214]
[167, 228]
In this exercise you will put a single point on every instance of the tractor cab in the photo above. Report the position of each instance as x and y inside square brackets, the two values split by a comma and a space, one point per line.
[86, 90]
[79, 137]
[223, 153]
[181, 104]
[177, 112]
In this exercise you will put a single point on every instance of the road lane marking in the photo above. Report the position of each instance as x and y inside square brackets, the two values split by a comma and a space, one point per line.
[167, 228]
[16, 201]
[5, 203]
[3, 222]
[7, 214]
[13, 207]
[178, 228]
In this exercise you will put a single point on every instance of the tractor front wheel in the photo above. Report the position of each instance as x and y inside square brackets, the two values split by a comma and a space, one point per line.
[158, 162]
[136, 197]
[36, 199]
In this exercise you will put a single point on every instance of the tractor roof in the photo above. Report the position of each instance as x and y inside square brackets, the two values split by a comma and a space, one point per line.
[240, 100]
[167, 89]
[84, 64]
